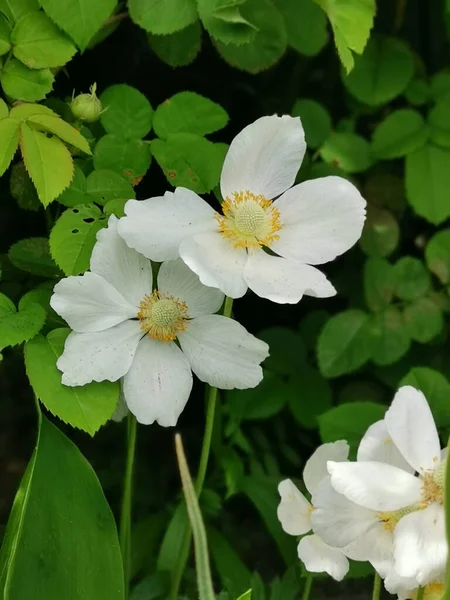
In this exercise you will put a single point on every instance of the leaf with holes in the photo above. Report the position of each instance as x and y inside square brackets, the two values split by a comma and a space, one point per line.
[9, 141]
[127, 157]
[22, 83]
[165, 17]
[128, 114]
[33, 256]
[63, 130]
[105, 185]
[19, 326]
[73, 237]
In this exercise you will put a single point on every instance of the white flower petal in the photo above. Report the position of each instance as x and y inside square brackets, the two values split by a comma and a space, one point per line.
[126, 270]
[411, 426]
[294, 510]
[89, 303]
[420, 545]
[318, 557]
[216, 262]
[377, 445]
[177, 280]
[158, 384]
[264, 157]
[375, 485]
[99, 356]
[155, 227]
[284, 281]
[316, 466]
[321, 219]
[222, 353]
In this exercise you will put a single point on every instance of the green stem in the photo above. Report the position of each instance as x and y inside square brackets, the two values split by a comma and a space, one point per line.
[420, 593]
[308, 586]
[376, 587]
[211, 403]
[125, 515]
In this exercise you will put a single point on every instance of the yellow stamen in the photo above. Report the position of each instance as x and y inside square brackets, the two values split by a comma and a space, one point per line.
[432, 491]
[162, 317]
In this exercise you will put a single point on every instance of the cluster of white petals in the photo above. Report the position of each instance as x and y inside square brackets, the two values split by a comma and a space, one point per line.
[386, 507]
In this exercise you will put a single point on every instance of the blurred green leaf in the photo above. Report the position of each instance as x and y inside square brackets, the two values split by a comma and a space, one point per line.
[76, 192]
[231, 568]
[315, 119]
[310, 395]
[348, 151]
[379, 283]
[412, 280]
[165, 17]
[308, 40]
[180, 48]
[5, 35]
[287, 350]
[439, 121]
[127, 112]
[437, 255]
[391, 338]
[22, 188]
[440, 85]
[127, 157]
[402, 132]
[418, 92]
[423, 319]
[436, 389]
[261, 402]
[33, 256]
[104, 185]
[381, 233]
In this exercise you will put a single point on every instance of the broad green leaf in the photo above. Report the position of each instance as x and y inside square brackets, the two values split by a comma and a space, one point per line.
[127, 157]
[381, 233]
[246, 596]
[344, 344]
[231, 568]
[153, 587]
[5, 36]
[349, 422]
[440, 86]
[418, 92]
[348, 151]
[315, 119]
[14, 9]
[4, 111]
[437, 255]
[33, 256]
[423, 319]
[287, 350]
[306, 25]
[384, 188]
[60, 517]
[19, 326]
[402, 132]
[412, 280]
[22, 188]
[39, 44]
[309, 396]
[351, 21]
[41, 295]
[439, 121]
[379, 283]
[80, 19]
[225, 22]
[175, 531]
[24, 111]
[382, 72]
[73, 237]
[261, 402]
[105, 185]
[188, 112]
[180, 48]
[76, 192]
[63, 130]
[86, 407]
[190, 161]
[311, 325]
[47, 161]
[9, 141]
[22, 83]
[165, 17]
[391, 339]
[115, 207]
[128, 114]
[266, 47]
[436, 390]
[428, 182]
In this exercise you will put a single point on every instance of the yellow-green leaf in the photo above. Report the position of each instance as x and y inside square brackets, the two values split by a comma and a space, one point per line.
[5, 35]
[22, 83]
[60, 128]
[22, 112]
[9, 140]
[4, 111]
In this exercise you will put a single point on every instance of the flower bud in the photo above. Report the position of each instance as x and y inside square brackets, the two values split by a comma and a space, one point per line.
[87, 107]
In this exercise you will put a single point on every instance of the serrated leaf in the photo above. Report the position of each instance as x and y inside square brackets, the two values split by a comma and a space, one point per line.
[14, 9]
[437, 255]
[131, 158]
[105, 185]
[224, 21]
[188, 112]
[39, 44]
[63, 130]
[24, 111]
[22, 83]
[315, 119]
[348, 151]
[165, 17]
[9, 141]
[80, 19]
[423, 319]
[20, 326]
[73, 237]
[412, 280]
[306, 25]
[5, 35]
[33, 256]
[190, 161]
[47, 161]
[76, 192]
[402, 132]
[391, 339]
[180, 48]
[128, 114]
[86, 407]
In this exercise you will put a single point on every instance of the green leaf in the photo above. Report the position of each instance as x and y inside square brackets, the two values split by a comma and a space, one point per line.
[287, 350]
[4, 110]
[225, 22]
[428, 182]
[412, 280]
[41, 295]
[349, 422]
[115, 207]
[47, 161]
[22, 83]
[33, 256]
[440, 86]
[310, 396]
[381, 233]
[423, 319]
[246, 596]
[165, 17]
[188, 112]
[5, 37]
[266, 47]
[402, 132]
[379, 283]
[344, 343]
[14, 9]
[22, 188]
[19, 326]
[60, 517]
[105, 185]
[128, 114]
[24, 111]
[63, 130]
[180, 48]
[418, 92]
[9, 141]
[436, 390]
[231, 568]
[439, 121]
[437, 255]
[190, 161]
[86, 407]
[261, 402]
[76, 192]
[39, 44]
[73, 237]
[351, 21]
[127, 157]
[315, 119]
[348, 151]
[382, 72]
[391, 339]
[306, 25]
[80, 19]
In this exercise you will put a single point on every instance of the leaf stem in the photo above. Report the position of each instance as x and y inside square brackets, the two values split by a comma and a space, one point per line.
[420, 593]
[125, 515]
[376, 587]
[308, 586]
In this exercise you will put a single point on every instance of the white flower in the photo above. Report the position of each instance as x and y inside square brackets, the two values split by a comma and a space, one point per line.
[124, 328]
[415, 502]
[309, 224]
[294, 513]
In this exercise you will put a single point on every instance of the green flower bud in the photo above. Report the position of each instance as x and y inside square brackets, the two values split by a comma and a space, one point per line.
[87, 107]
